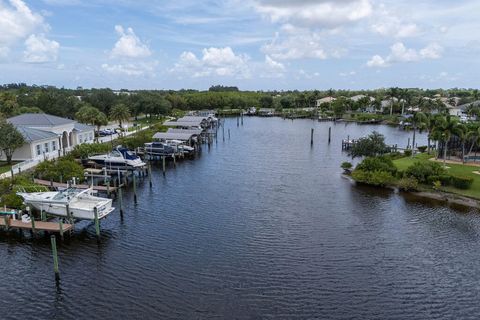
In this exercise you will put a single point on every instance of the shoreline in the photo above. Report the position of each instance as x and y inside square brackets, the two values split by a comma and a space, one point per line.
[441, 196]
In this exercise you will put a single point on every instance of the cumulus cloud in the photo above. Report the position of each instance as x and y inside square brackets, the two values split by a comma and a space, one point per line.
[271, 68]
[296, 45]
[18, 22]
[388, 24]
[318, 14]
[39, 49]
[214, 62]
[400, 53]
[129, 45]
[131, 69]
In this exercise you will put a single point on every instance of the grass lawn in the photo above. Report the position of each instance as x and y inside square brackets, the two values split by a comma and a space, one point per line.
[454, 169]
[4, 167]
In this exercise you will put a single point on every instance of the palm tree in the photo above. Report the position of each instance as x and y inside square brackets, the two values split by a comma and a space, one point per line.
[120, 113]
[462, 134]
[430, 126]
[100, 120]
[444, 129]
[419, 121]
[474, 136]
[392, 93]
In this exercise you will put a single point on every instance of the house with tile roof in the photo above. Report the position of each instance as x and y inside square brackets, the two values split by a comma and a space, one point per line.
[47, 136]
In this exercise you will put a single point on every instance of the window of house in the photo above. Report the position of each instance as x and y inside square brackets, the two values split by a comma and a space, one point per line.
[39, 149]
[46, 147]
[54, 145]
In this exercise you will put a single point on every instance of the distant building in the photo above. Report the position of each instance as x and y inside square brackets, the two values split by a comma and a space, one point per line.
[319, 102]
[48, 136]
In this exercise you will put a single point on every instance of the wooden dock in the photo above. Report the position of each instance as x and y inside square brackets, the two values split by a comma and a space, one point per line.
[39, 225]
[78, 186]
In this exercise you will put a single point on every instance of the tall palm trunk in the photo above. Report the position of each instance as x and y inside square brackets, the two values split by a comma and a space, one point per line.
[413, 140]
[428, 143]
[445, 153]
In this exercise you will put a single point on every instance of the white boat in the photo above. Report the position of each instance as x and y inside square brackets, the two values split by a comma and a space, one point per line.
[180, 146]
[118, 158]
[81, 203]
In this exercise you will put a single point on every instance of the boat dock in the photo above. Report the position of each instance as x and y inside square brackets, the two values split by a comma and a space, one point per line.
[53, 184]
[47, 226]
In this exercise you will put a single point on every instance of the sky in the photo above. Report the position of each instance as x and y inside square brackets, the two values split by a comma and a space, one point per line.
[252, 44]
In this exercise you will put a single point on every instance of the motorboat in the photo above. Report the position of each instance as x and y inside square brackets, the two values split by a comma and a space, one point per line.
[157, 148]
[120, 157]
[180, 146]
[81, 203]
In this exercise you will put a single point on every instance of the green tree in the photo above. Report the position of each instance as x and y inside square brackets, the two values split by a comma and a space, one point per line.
[120, 113]
[370, 146]
[445, 127]
[11, 139]
[419, 121]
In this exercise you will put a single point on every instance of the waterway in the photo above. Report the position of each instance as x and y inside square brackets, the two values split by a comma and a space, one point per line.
[259, 226]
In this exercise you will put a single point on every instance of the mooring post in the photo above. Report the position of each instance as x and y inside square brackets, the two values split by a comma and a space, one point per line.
[329, 134]
[149, 174]
[108, 188]
[69, 215]
[32, 219]
[237, 122]
[228, 134]
[311, 136]
[163, 165]
[242, 119]
[120, 200]
[174, 161]
[60, 225]
[223, 132]
[97, 222]
[134, 188]
[53, 241]
[5, 217]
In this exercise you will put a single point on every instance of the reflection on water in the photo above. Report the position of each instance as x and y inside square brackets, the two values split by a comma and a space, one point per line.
[259, 226]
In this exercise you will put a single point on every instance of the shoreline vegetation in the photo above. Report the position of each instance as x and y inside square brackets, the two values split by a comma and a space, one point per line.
[421, 175]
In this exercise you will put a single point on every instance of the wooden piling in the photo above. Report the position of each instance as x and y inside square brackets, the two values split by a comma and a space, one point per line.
[6, 222]
[53, 241]
[60, 225]
[32, 219]
[237, 122]
[242, 119]
[97, 222]
[163, 165]
[69, 214]
[120, 200]
[311, 136]
[228, 134]
[134, 188]
[223, 133]
[108, 188]
[329, 134]
[149, 174]
[174, 161]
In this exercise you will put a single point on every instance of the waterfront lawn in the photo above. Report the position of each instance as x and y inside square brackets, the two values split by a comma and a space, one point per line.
[4, 167]
[454, 169]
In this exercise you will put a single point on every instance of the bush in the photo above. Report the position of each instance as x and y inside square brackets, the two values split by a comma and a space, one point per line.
[407, 153]
[57, 170]
[461, 182]
[443, 179]
[382, 163]
[408, 184]
[84, 150]
[346, 166]
[423, 170]
[422, 149]
[375, 178]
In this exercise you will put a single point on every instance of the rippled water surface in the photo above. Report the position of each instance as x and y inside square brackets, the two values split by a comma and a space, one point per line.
[260, 226]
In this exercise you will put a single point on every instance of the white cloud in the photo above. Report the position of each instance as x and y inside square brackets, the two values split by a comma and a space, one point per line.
[131, 69]
[390, 25]
[17, 22]
[296, 45]
[432, 51]
[39, 49]
[318, 14]
[129, 45]
[271, 68]
[400, 53]
[377, 61]
[214, 62]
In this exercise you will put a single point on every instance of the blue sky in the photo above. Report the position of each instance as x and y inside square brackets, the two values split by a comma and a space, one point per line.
[253, 44]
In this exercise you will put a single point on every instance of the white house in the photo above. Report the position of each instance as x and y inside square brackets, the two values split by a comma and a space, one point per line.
[48, 136]
[324, 100]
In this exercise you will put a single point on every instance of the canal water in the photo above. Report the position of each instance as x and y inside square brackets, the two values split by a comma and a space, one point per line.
[261, 226]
